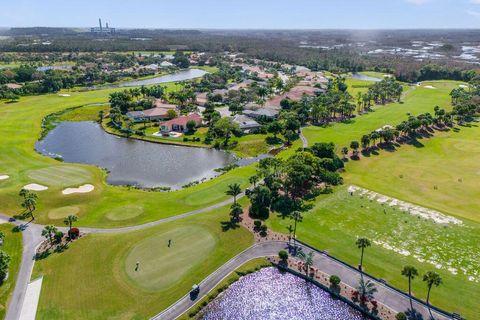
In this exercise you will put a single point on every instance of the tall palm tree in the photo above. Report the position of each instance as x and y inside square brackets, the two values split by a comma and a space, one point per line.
[410, 272]
[70, 220]
[234, 190]
[307, 260]
[362, 243]
[432, 279]
[297, 215]
[48, 232]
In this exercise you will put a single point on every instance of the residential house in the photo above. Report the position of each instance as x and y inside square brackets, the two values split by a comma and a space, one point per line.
[166, 64]
[180, 124]
[13, 86]
[267, 113]
[158, 113]
[247, 124]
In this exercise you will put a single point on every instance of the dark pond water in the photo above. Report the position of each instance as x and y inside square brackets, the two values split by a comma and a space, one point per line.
[358, 76]
[177, 76]
[129, 161]
[269, 294]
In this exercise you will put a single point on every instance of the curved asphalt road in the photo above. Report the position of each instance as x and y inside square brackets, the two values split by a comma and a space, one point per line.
[32, 239]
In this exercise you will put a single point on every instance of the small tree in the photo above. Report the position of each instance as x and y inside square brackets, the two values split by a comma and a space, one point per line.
[307, 260]
[354, 145]
[2, 237]
[29, 201]
[283, 255]
[4, 264]
[171, 114]
[253, 180]
[401, 316]
[366, 291]
[70, 220]
[234, 190]
[334, 281]
[48, 232]
[235, 211]
[191, 125]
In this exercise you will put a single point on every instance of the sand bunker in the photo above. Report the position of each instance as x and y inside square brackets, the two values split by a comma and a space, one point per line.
[63, 95]
[405, 206]
[35, 187]
[4, 177]
[463, 86]
[430, 87]
[82, 189]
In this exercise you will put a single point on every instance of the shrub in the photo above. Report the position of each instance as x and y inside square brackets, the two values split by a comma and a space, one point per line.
[73, 233]
[58, 236]
[401, 316]
[334, 280]
[185, 139]
[283, 255]
[257, 224]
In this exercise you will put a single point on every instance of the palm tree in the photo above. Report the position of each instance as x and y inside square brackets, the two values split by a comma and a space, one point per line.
[70, 220]
[307, 260]
[362, 243]
[410, 272]
[30, 203]
[48, 232]
[366, 290]
[235, 211]
[234, 190]
[253, 180]
[297, 215]
[431, 278]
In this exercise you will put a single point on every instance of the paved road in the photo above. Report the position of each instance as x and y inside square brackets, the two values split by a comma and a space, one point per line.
[392, 298]
[304, 139]
[32, 238]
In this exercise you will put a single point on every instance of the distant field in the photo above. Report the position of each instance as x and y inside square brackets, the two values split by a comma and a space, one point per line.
[96, 279]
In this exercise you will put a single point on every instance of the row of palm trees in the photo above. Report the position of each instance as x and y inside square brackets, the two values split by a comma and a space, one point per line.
[431, 278]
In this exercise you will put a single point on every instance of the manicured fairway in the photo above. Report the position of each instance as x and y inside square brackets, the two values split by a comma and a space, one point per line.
[12, 246]
[399, 238]
[20, 129]
[160, 265]
[95, 278]
[443, 173]
[416, 101]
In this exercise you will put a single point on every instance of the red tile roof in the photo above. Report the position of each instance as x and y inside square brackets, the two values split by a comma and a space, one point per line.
[182, 120]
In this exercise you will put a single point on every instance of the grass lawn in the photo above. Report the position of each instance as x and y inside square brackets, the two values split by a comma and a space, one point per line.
[416, 101]
[96, 279]
[12, 246]
[441, 173]
[21, 129]
[338, 219]
[251, 145]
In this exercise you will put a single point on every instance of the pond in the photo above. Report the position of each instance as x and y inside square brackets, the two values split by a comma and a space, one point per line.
[359, 76]
[177, 76]
[270, 294]
[130, 161]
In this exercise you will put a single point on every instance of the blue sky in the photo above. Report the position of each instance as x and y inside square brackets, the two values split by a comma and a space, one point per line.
[244, 14]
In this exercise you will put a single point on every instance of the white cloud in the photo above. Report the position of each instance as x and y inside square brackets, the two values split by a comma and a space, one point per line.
[475, 1]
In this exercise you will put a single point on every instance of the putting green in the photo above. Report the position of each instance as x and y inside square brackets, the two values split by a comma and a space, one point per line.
[125, 212]
[61, 175]
[161, 267]
[62, 212]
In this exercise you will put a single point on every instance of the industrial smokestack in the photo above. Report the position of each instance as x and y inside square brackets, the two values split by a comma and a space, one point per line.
[100, 23]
